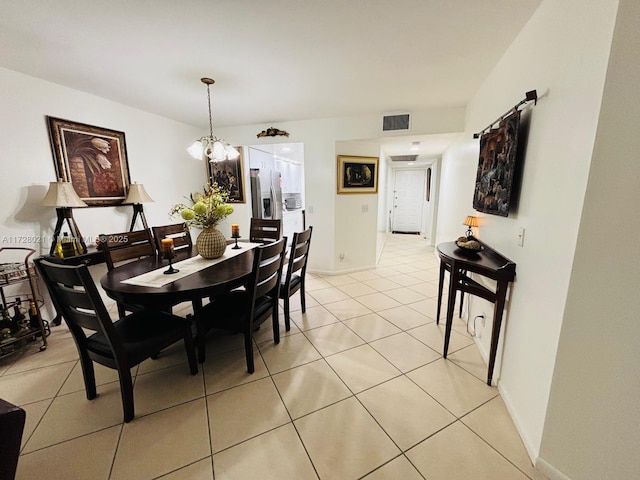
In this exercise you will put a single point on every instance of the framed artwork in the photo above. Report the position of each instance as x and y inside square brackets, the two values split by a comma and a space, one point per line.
[497, 167]
[228, 175]
[357, 174]
[93, 159]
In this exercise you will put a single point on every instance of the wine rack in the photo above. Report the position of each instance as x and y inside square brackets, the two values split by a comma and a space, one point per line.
[19, 279]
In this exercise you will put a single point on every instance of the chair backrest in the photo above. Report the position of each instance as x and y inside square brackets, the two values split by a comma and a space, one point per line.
[179, 232]
[298, 255]
[76, 298]
[118, 247]
[264, 230]
[265, 277]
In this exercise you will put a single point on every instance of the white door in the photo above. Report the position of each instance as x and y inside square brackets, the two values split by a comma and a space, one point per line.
[408, 200]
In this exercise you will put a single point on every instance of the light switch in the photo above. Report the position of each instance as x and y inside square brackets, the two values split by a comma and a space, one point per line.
[521, 236]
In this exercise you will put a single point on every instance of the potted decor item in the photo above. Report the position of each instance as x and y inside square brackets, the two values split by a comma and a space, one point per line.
[207, 209]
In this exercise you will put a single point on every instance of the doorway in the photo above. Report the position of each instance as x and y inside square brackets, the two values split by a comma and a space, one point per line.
[408, 200]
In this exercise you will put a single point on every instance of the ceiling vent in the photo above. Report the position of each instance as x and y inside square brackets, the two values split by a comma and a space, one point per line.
[393, 123]
[403, 158]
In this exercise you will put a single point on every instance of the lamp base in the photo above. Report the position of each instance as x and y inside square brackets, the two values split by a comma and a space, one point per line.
[66, 214]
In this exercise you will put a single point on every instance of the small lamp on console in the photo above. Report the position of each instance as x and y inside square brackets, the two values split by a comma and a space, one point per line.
[137, 196]
[470, 222]
[63, 196]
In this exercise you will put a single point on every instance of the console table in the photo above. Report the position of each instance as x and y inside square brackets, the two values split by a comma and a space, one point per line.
[488, 263]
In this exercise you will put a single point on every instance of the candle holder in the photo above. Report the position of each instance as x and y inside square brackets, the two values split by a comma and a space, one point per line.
[236, 246]
[169, 255]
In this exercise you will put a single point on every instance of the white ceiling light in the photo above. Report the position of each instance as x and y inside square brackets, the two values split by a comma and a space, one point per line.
[213, 148]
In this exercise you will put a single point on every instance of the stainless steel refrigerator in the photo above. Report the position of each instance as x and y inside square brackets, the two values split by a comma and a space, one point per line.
[266, 193]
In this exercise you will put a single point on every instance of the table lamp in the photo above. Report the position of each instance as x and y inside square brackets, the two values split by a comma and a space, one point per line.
[470, 222]
[137, 196]
[63, 196]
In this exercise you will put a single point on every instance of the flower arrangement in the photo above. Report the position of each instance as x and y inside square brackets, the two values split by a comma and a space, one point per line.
[207, 209]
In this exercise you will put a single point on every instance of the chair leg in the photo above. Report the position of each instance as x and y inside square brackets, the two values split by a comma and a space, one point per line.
[189, 346]
[248, 350]
[126, 392]
[276, 325]
[200, 337]
[287, 321]
[89, 376]
[303, 303]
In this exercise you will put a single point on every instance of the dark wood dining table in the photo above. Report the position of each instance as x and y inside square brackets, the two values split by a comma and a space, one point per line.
[209, 282]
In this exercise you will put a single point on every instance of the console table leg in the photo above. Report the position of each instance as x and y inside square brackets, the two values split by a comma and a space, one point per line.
[451, 303]
[440, 287]
[501, 293]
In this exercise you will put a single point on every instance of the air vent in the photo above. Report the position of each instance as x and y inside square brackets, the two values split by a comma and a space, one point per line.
[403, 158]
[396, 122]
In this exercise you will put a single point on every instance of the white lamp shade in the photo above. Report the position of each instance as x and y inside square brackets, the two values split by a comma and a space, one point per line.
[232, 152]
[137, 194]
[214, 149]
[62, 194]
[196, 150]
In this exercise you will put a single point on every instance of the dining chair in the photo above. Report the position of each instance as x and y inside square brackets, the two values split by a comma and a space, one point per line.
[179, 232]
[264, 230]
[119, 345]
[242, 311]
[293, 279]
[182, 240]
[118, 247]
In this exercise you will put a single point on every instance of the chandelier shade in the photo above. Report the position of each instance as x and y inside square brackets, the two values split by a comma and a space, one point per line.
[212, 148]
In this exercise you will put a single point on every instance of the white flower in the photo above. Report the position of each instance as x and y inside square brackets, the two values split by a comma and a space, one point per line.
[103, 161]
[101, 145]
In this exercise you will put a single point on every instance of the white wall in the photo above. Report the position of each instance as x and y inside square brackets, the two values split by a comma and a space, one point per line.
[155, 147]
[562, 52]
[324, 208]
[593, 406]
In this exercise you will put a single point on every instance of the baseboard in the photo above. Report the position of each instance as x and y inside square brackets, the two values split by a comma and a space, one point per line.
[340, 272]
[532, 450]
[550, 471]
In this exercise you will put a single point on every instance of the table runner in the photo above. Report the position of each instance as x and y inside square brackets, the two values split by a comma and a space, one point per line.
[157, 278]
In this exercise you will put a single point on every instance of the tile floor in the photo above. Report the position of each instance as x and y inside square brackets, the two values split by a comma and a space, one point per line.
[357, 389]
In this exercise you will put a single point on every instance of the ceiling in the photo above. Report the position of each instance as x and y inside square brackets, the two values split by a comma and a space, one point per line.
[273, 61]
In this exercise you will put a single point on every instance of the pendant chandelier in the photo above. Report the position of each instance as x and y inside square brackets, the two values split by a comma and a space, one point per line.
[213, 148]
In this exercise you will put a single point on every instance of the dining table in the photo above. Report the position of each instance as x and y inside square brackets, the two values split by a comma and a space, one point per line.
[211, 279]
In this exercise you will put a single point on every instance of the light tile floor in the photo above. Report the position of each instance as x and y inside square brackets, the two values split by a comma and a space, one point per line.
[358, 389]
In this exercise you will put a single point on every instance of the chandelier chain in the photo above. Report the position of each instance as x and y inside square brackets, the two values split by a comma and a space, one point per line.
[210, 121]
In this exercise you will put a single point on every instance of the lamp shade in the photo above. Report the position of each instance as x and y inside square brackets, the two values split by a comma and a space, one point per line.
[62, 194]
[137, 194]
[471, 221]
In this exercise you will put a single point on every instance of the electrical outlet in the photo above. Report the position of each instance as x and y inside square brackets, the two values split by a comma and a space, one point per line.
[521, 236]
[365, 208]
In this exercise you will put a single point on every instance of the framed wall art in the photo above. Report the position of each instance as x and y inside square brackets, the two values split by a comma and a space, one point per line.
[93, 159]
[497, 169]
[228, 175]
[357, 174]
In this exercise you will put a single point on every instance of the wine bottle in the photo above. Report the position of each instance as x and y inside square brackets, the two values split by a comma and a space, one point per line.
[18, 311]
[34, 316]
[5, 320]
[68, 246]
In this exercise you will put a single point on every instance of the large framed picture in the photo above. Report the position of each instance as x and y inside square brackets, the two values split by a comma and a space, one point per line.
[357, 174]
[93, 159]
[228, 175]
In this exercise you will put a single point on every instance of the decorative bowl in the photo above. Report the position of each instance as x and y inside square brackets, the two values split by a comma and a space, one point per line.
[474, 247]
